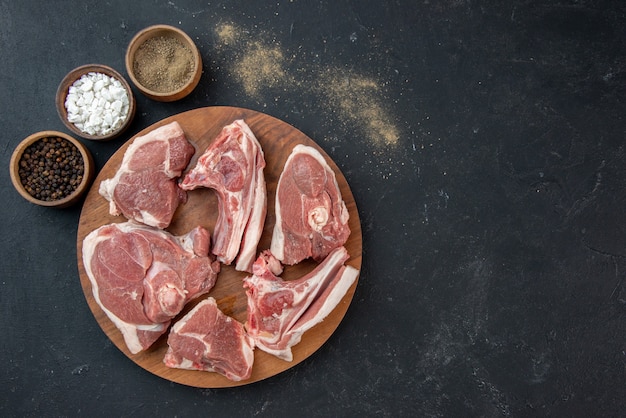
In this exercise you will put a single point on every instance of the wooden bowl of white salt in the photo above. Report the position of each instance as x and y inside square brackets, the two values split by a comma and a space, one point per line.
[95, 102]
[164, 63]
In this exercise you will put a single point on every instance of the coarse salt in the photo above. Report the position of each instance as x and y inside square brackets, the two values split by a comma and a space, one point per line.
[97, 104]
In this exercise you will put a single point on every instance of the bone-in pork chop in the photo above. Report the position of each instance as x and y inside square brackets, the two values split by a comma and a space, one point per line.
[280, 311]
[207, 339]
[142, 277]
[233, 166]
[311, 216]
[145, 186]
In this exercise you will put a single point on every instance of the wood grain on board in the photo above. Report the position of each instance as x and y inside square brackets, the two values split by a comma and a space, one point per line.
[277, 138]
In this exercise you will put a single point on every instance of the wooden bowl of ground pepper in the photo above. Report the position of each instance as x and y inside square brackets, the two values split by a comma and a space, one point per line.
[164, 63]
[52, 169]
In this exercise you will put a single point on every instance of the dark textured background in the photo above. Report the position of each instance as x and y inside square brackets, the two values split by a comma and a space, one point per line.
[494, 250]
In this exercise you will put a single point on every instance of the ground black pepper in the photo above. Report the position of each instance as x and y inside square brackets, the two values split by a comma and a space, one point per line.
[163, 64]
[51, 169]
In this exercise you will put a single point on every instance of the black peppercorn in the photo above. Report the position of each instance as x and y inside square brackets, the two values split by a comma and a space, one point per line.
[40, 173]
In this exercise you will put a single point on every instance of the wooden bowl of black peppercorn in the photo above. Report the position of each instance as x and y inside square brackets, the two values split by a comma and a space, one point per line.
[51, 168]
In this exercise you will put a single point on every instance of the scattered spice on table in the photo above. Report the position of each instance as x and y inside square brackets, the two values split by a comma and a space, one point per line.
[51, 168]
[264, 68]
[163, 64]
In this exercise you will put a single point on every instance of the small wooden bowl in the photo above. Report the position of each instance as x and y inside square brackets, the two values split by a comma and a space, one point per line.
[71, 78]
[88, 172]
[156, 31]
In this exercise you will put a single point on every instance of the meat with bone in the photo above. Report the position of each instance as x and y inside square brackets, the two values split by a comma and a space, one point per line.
[145, 187]
[233, 166]
[207, 339]
[311, 216]
[280, 311]
[142, 277]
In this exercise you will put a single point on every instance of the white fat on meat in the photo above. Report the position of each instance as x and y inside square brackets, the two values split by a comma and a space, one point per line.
[233, 166]
[280, 312]
[142, 277]
[144, 188]
[311, 216]
[207, 339]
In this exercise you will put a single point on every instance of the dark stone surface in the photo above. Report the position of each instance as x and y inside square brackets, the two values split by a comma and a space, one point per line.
[494, 250]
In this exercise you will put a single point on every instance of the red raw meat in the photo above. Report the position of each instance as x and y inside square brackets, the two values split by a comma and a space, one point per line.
[142, 277]
[280, 311]
[233, 166]
[144, 188]
[311, 216]
[207, 339]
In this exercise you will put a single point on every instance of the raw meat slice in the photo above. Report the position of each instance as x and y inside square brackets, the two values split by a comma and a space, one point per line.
[145, 188]
[280, 311]
[233, 166]
[207, 339]
[311, 216]
[142, 277]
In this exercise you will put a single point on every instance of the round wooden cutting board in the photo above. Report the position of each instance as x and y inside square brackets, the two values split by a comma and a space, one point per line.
[277, 138]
